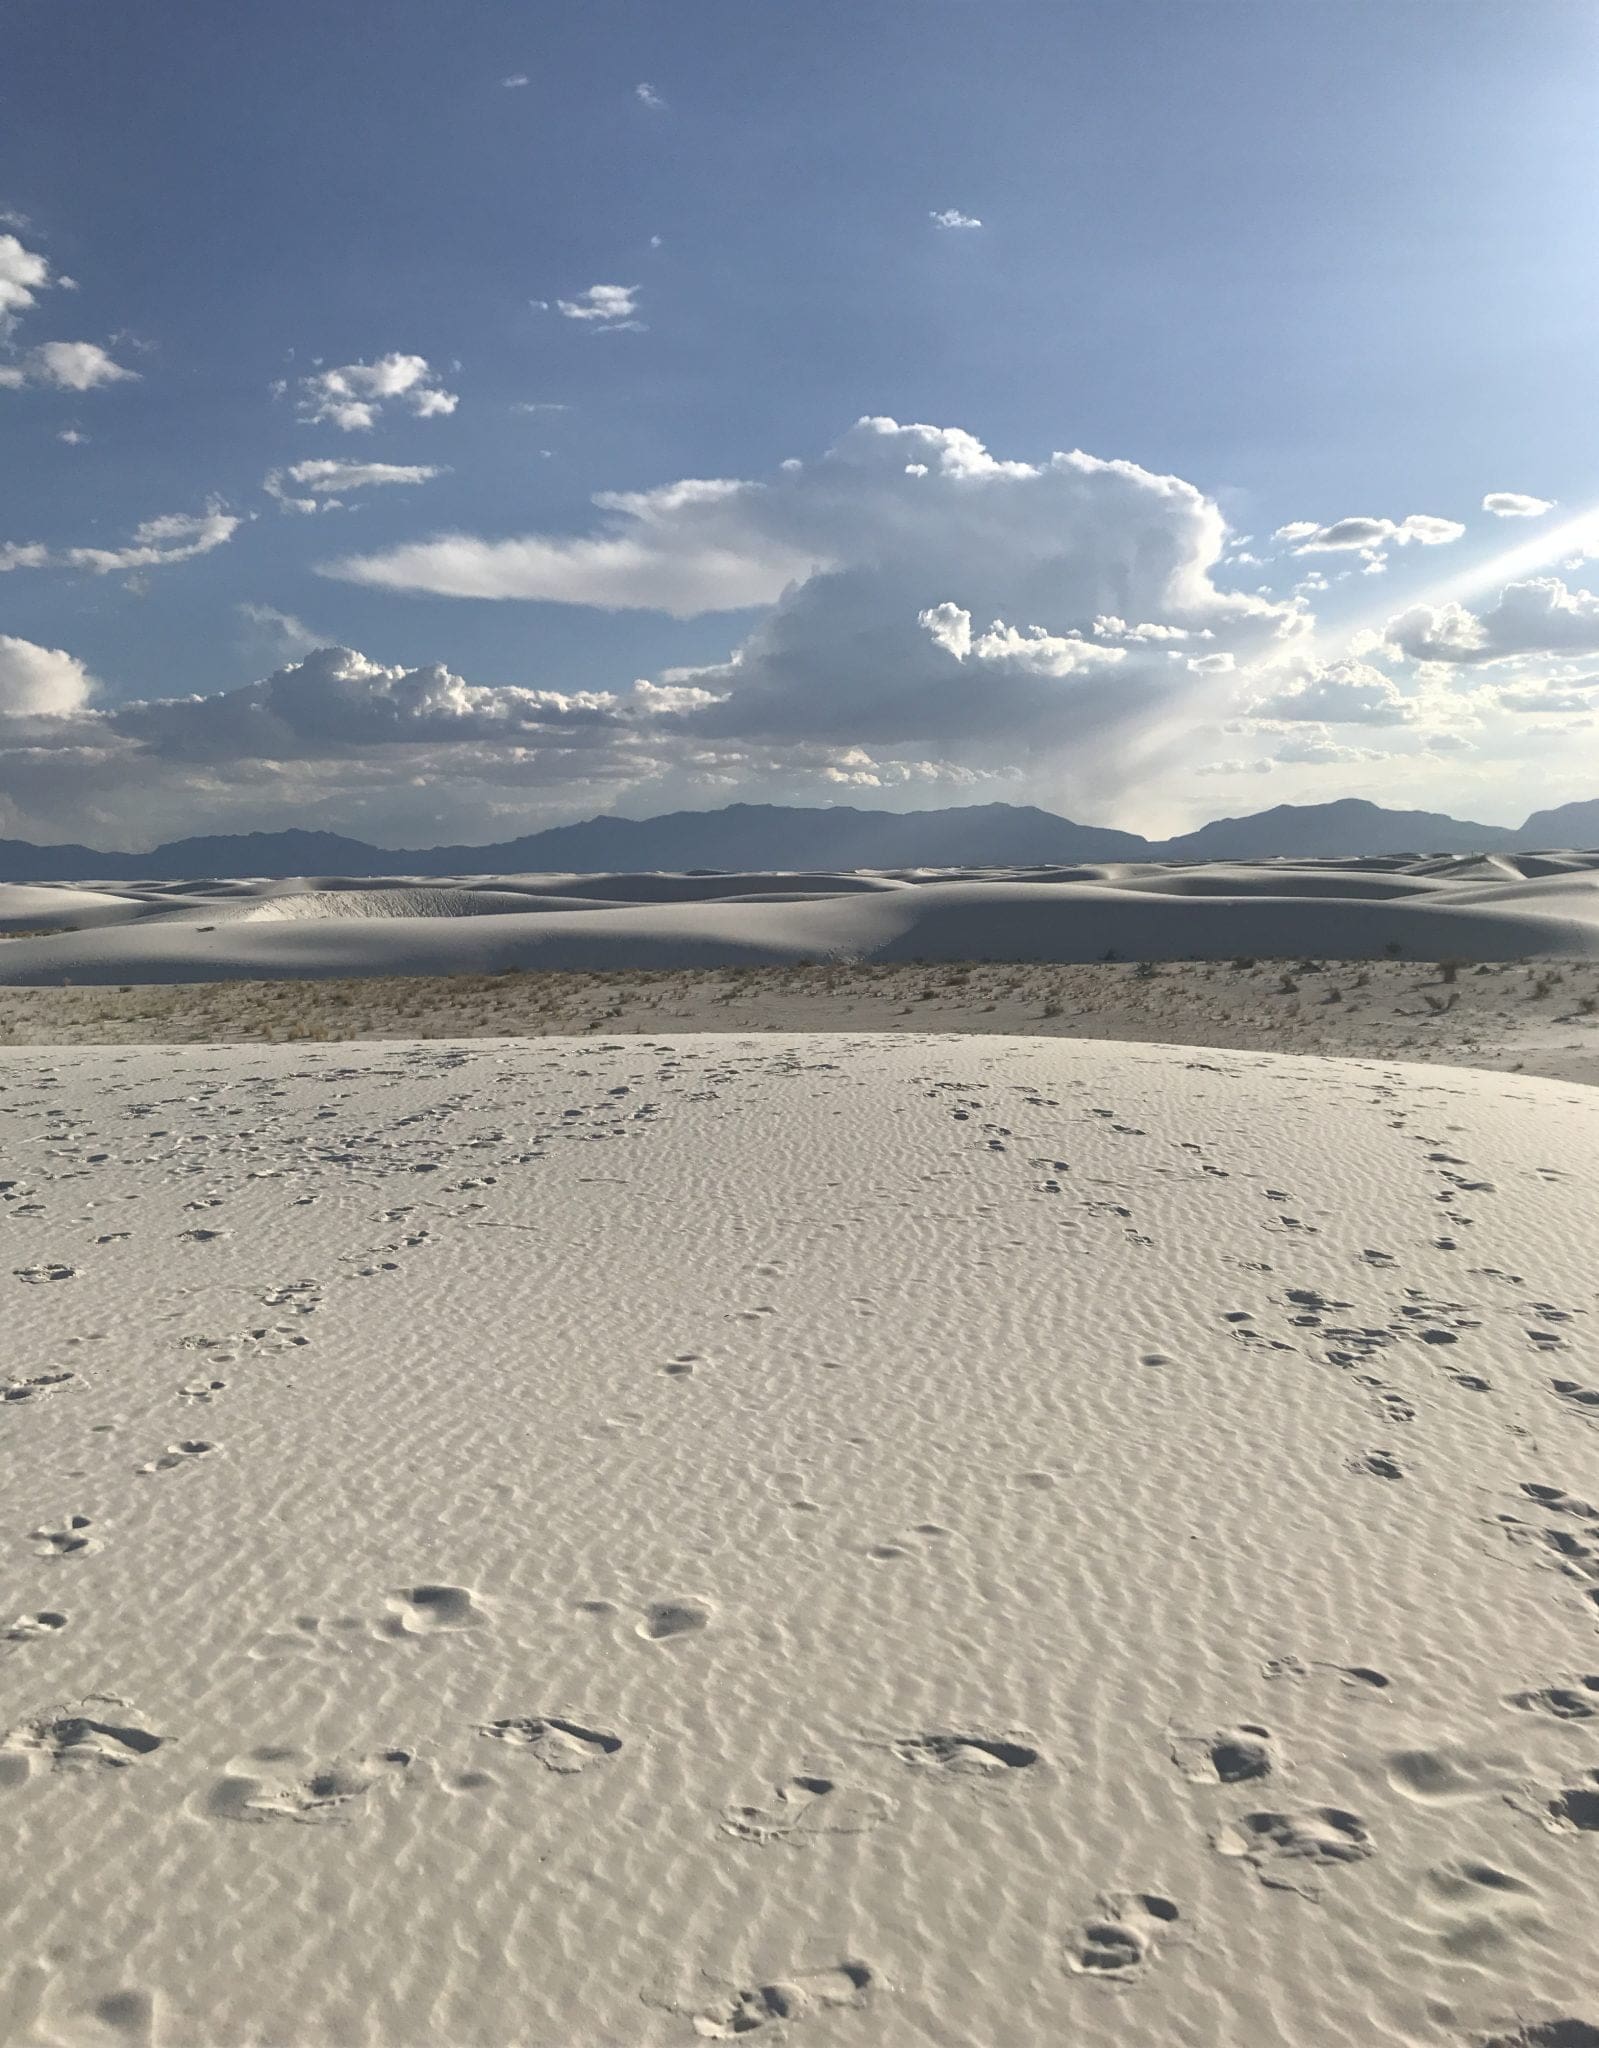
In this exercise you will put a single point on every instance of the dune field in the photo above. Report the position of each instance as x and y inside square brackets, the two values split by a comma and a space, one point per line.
[841, 1538]
[1484, 907]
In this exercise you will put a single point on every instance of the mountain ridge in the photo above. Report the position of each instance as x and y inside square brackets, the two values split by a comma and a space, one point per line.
[790, 838]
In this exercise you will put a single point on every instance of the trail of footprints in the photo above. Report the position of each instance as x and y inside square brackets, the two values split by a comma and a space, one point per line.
[1287, 1846]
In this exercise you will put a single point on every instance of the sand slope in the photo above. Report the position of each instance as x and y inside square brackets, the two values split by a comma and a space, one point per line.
[852, 1540]
[1497, 907]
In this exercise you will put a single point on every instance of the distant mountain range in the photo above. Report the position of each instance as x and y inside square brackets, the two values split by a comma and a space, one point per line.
[758, 837]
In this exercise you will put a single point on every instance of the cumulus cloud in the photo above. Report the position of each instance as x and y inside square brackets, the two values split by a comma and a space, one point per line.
[77, 366]
[353, 396]
[604, 306]
[23, 275]
[1516, 505]
[940, 627]
[876, 561]
[324, 484]
[1361, 533]
[517, 78]
[174, 537]
[952, 217]
[647, 96]
[1540, 616]
[334, 699]
[1033, 652]
[40, 682]
[1338, 693]
[67, 365]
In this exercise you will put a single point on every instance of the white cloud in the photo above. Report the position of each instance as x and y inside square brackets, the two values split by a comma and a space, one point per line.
[1516, 505]
[1339, 693]
[1033, 652]
[1540, 616]
[40, 682]
[539, 405]
[1364, 533]
[952, 217]
[516, 78]
[604, 306]
[286, 636]
[68, 365]
[666, 550]
[174, 537]
[353, 396]
[78, 365]
[1322, 751]
[875, 577]
[647, 95]
[72, 436]
[323, 485]
[23, 275]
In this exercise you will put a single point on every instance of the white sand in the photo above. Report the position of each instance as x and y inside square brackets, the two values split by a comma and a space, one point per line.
[879, 1541]
[1497, 907]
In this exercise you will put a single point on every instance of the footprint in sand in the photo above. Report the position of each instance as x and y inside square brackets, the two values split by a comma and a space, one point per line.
[97, 1733]
[565, 1747]
[431, 1610]
[847, 1986]
[1227, 1756]
[52, 1270]
[807, 1806]
[1123, 1937]
[1576, 1809]
[26, 1626]
[965, 1756]
[285, 1784]
[664, 1621]
[1562, 2033]
[30, 1388]
[1287, 1850]
[1578, 1701]
[71, 1541]
[186, 1452]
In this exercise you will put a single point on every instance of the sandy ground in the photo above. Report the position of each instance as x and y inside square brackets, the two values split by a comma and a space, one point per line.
[896, 1542]
[1538, 1017]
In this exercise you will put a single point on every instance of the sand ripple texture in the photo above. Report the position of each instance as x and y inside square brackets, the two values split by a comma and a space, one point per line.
[1479, 907]
[850, 1540]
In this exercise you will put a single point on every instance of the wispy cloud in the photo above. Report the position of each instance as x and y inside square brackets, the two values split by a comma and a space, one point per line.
[323, 485]
[605, 306]
[952, 217]
[173, 537]
[516, 78]
[646, 93]
[1516, 505]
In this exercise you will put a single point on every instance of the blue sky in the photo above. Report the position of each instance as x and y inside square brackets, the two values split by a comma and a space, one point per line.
[1318, 263]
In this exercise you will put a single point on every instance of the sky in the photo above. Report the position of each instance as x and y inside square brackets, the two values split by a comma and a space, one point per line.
[433, 423]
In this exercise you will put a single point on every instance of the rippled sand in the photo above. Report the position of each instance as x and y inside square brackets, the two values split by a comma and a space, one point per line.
[853, 1539]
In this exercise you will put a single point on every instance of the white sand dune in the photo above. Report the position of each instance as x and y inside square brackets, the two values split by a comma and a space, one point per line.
[1492, 908]
[583, 1543]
